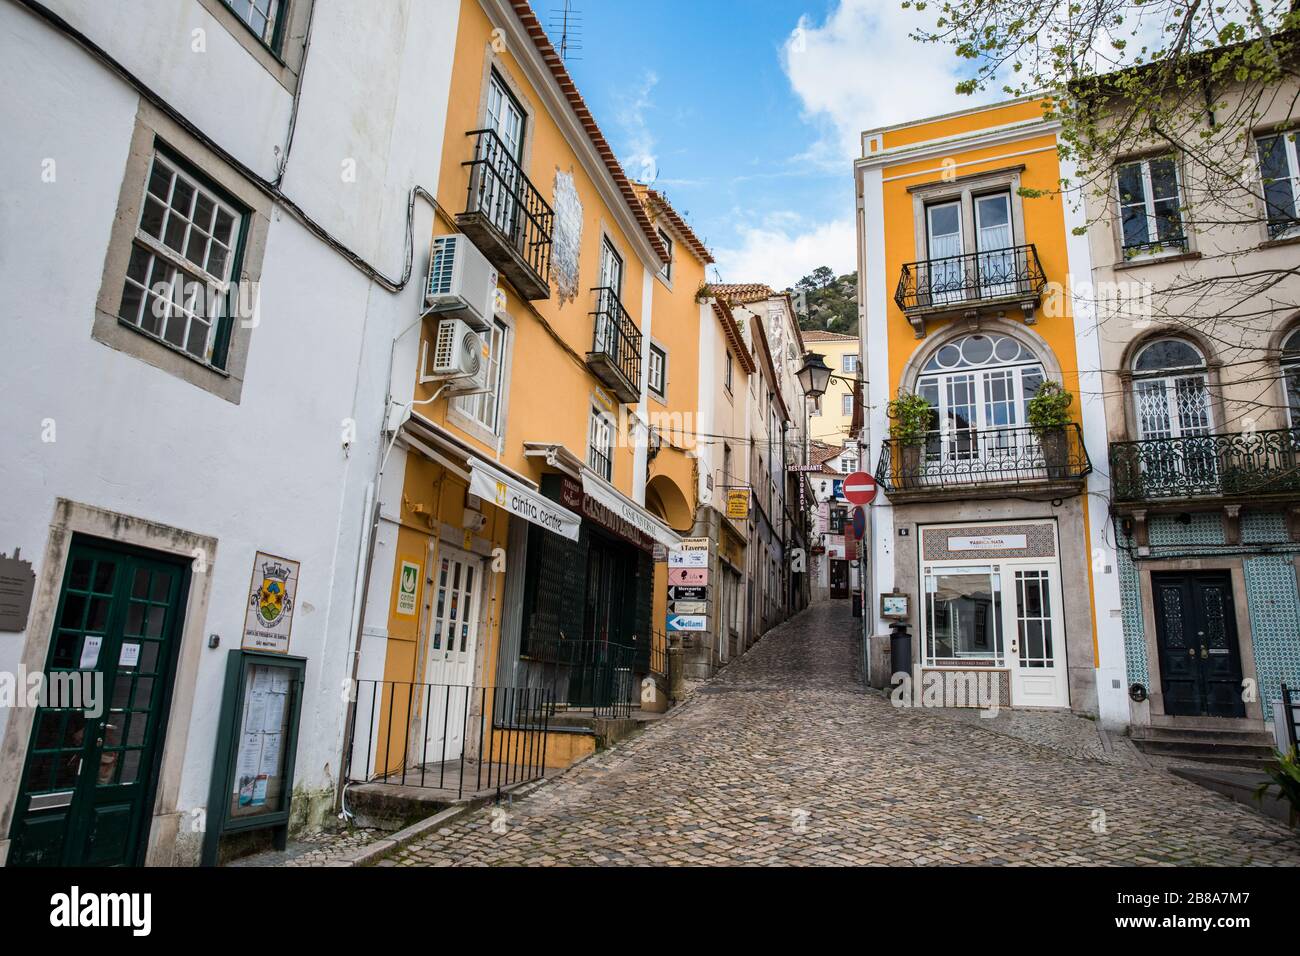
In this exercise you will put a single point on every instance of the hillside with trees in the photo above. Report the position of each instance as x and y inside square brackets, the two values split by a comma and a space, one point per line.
[829, 303]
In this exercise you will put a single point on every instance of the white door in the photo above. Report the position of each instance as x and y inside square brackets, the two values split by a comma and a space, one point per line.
[944, 241]
[1036, 632]
[451, 616]
[997, 263]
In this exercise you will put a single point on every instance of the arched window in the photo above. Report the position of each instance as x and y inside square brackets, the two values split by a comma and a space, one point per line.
[1171, 391]
[1291, 376]
[977, 383]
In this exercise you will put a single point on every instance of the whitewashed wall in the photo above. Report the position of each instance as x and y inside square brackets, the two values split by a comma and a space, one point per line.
[269, 473]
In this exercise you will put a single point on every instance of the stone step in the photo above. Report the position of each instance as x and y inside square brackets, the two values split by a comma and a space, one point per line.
[1237, 755]
[1252, 738]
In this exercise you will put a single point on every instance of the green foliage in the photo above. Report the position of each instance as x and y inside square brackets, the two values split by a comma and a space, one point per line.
[1286, 780]
[1050, 407]
[832, 302]
[909, 417]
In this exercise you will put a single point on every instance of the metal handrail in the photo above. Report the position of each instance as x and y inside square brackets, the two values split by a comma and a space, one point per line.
[1014, 271]
[501, 192]
[616, 336]
[448, 736]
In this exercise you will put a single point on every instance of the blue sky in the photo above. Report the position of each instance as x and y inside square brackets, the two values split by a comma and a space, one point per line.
[746, 113]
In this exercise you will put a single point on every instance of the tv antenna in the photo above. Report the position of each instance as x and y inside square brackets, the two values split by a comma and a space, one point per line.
[566, 30]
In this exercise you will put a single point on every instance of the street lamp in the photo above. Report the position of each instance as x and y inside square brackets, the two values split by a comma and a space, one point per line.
[815, 375]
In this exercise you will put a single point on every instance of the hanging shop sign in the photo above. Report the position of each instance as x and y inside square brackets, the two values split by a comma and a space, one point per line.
[693, 623]
[257, 742]
[521, 501]
[738, 503]
[268, 618]
[688, 577]
[689, 608]
[686, 592]
[691, 553]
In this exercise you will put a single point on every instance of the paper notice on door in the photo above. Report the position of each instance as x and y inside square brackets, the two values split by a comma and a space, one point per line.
[90, 652]
[259, 791]
[129, 656]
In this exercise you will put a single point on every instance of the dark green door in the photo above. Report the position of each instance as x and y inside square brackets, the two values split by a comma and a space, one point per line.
[1196, 632]
[92, 761]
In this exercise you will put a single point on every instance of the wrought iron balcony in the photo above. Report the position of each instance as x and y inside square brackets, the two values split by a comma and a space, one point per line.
[1243, 465]
[615, 354]
[976, 281]
[961, 461]
[507, 217]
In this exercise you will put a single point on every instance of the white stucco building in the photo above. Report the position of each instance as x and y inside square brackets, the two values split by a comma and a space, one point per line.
[153, 451]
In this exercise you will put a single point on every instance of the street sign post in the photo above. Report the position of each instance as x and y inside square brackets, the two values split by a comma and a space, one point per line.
[688, 622]
[860, 489]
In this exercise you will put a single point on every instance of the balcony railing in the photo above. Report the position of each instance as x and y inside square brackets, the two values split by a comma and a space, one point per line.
[507, 217]
[954, 283]
[1246, 464]
[963, 459]
[615, 354]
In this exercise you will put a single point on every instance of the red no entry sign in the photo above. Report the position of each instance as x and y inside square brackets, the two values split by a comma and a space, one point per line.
[860, 488]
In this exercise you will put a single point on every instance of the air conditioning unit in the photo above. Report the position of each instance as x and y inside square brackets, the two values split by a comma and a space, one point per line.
[462, 283]
[461, 356]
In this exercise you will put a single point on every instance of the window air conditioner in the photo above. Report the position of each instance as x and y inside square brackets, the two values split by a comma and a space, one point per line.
[462, 283]
[462, 356]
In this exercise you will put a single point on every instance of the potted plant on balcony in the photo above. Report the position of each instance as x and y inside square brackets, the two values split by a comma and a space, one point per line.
[1049, 416]
[909, 416]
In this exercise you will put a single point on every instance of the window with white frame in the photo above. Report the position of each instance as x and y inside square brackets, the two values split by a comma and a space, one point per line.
[262, 16]
[1279, 169]
[485, 408]
[1150, 207]
[178, 286]
[600, 444]
[730, 366]
[851, 364]
[1291, 377]
[846, 404]
[658, 373]
[667, 270]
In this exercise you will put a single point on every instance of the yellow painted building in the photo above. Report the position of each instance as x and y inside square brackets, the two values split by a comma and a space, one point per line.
[521, 514]
[984, 525]
[829, 421]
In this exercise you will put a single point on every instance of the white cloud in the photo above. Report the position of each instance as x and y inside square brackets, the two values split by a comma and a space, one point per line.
[779, 254]
[859, 70]
[640, 157]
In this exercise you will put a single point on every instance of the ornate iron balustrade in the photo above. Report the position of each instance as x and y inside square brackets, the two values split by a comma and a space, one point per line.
[615, 354]
[954, 281]
[961, 459]
[507, 217]
[1245, 464]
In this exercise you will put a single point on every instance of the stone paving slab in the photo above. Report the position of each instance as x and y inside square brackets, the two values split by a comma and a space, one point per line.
[783, 759]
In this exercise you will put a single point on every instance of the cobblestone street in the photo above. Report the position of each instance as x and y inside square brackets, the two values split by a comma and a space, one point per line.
[784, 760]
